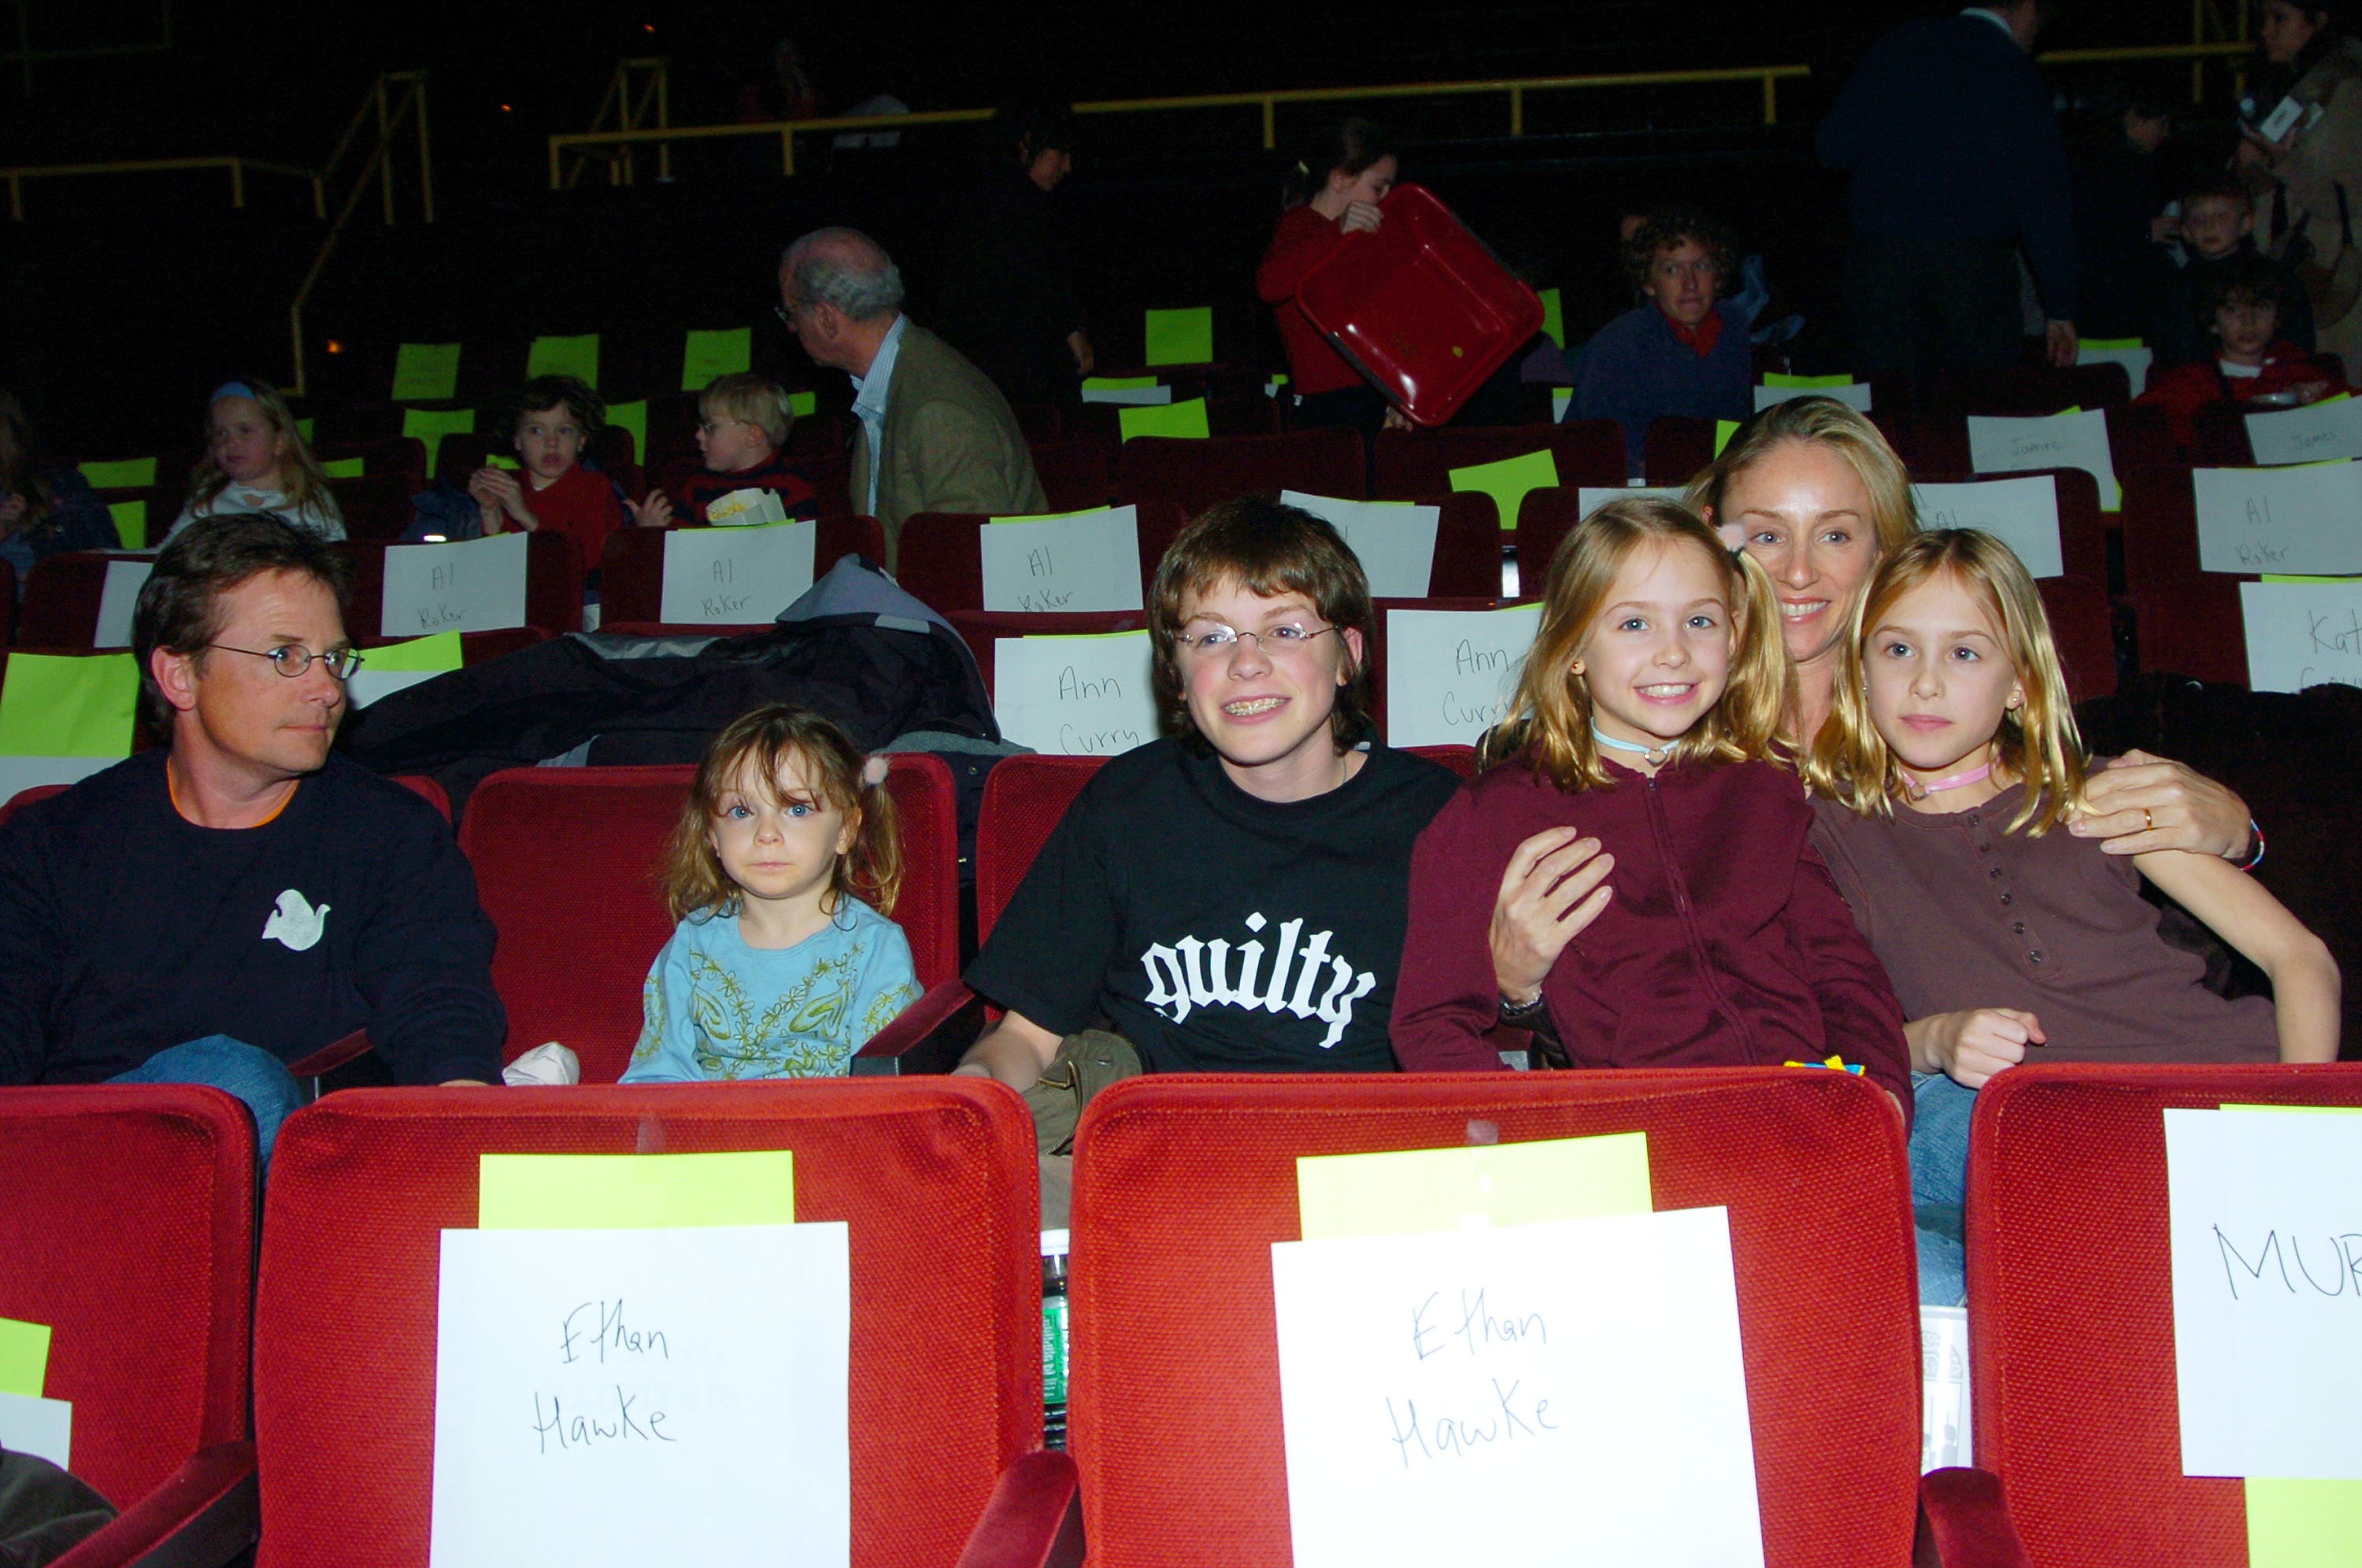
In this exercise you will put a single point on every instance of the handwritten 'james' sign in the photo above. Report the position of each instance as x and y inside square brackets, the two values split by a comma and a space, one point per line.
[725, 576]
[1394, 541]
[1999, 445]
[476, 585]
[2303, 634]
[2021, 513]
[642, 1397]
[2266, 1215]
[1504, 1395]
[2300, 521]
[1079, 560]
[1087, 696]
[2307, 434]
[1451, 673]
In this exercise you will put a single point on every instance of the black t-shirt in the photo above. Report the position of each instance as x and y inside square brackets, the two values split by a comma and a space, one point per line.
[125, 929]
[1218, 932]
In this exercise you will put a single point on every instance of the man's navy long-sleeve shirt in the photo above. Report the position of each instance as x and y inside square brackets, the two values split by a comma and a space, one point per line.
[1949, 135]
[125, 929]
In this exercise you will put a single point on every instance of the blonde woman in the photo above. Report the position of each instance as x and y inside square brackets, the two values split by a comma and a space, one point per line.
[1949, 763]
[256, 460]
[1812, 490]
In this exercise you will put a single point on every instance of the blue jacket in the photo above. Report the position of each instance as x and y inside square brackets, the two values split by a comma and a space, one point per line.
[1634, 370]
[1949, 135]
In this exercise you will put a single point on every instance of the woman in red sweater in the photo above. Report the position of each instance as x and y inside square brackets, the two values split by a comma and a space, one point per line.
[1629, 876]
[1355, 171]
[556, 417]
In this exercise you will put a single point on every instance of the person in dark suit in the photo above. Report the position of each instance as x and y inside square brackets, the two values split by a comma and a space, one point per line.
[1010, 305]
[1957, 161]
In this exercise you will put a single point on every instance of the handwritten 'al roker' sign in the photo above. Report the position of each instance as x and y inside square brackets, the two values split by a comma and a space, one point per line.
[728, 576]
[475, 585]
[2078, 440]
[2311, 434]
[1074, 696]
[2265, 1212]
[2303, 521]
[1072, 561]
[643, 1395]
[1451, 673]
[1571, 1390]
[1394, 540]
[2021, 513]
[2303, 634]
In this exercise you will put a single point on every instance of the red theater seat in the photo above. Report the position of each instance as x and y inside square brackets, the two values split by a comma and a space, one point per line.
[375, 506]
[2026, 389]
[631, 565]
[553, 585]
[1074, 474]
[566, 861]
[1412, 464]
[2069, 1269]
[61, 598]
[2082, 627]
[1197, 474]
[941, 561]
[128, 1230]
[2193, 627]
[1675, 449]
[934, 1182]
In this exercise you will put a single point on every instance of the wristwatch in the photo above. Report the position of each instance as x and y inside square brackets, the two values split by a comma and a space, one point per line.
[1518, 1014]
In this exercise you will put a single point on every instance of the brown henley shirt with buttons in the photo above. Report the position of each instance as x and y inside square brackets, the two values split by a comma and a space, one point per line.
[1965, 915]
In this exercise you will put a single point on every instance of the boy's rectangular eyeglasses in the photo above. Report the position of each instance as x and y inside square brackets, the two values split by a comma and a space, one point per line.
[1219, 638]
[292, 659]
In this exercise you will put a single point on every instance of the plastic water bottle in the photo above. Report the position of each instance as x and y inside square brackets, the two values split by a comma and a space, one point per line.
[1053, 1339]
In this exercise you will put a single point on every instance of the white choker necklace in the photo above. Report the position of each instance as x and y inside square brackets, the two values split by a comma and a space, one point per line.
[1657, 755]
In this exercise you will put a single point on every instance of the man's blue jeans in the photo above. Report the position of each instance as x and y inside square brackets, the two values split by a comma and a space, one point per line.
[1940, 1110]
[253, 1075]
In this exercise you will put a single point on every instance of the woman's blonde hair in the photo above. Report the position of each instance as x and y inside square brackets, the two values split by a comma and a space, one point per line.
[2039, 744]
[1551, 716]
[760, 741]
[1824, 421]
[299, 471]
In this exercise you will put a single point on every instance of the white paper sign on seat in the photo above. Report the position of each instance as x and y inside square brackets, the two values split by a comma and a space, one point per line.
[474, 585]
[2303, 521]
[729, 576]
[1394, 540]
[1853, 395]
[1073, 561]
[2266, 1290]
[2308, 435]
[2005, 446]
[1589, 499]
[643, 1396]
[1569, 1391]
[117, 598]
[2021, 513]
[2303, 634]
[1451, 673]
[1074, 696]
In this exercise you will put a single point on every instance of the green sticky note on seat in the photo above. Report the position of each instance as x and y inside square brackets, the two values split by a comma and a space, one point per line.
[1118, 383]
[1441, 1189]
[69, 704]
[431, 424]
[23, 1357]
[1508, 481]
[634, 417]
[2112, 343]
[2303, 1524]
[576, 356]
[303, 428]
[635, 1192]
[343, 468]
[706, 355]
[1774, 379]
[1183, 419]
[437, 653]
[129, 473]
[1724, 429]
[425, 372]
[803, 406]
[1180, 336]
[1553, 316]
[130, 522]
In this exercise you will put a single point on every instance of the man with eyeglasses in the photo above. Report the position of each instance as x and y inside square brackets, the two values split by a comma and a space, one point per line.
[208, 913]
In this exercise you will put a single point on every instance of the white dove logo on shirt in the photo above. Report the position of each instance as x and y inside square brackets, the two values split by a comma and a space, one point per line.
[295, 922]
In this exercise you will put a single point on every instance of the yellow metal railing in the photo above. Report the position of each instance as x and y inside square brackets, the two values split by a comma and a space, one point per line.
[2197, 54]
[654, 98]
[1514, 89]
[406, 101]
[238, 168]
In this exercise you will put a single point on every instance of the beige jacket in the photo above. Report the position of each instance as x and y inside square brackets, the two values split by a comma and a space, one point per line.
[951, 444]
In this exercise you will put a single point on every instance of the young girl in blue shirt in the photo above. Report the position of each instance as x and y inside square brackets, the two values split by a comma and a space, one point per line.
[781, 873]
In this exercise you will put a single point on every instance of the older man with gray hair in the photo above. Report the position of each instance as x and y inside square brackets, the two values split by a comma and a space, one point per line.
[936, 435]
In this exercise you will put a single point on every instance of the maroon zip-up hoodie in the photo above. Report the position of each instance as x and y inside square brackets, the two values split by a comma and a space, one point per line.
[1726, 944]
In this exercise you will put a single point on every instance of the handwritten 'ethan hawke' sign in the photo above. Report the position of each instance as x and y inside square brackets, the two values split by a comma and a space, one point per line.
[475, 585]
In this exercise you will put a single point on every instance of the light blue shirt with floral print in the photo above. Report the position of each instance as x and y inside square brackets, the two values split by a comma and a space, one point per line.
[715, 1009]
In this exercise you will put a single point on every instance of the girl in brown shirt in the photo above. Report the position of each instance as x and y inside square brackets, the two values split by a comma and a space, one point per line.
[1997, 933]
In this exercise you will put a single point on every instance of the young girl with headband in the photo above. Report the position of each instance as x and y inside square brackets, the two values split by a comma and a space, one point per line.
[256, 460]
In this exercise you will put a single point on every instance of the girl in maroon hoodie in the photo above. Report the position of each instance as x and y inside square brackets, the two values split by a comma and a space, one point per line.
[1628, 877]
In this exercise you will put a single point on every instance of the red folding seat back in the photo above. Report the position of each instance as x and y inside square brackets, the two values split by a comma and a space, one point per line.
[458, 455]
[553, 581]
[23, 798]
[2071, 1292]
[1024, 799]
[2218, 432]
[389, 454]
[933, 1178]
[1074, 474]
[2022, 389]
[61, 596]
[1184, 1181]
[418, 784]
[8, 602]
[567, 863]
[365, 592]
[128, 1230]
[1675, 449]
[2193, 627]
[375, 506]
[1198, 474]
[981, 629]
[2161, 524]
[940, 562]
[356, 423]
[631, 565]
[1544, 519]
[1461, 759]
[1405, 465]
[1468, 540]
[2082, 628]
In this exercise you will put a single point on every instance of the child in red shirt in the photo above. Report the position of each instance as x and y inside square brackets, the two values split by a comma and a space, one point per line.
[556, 417]
[2250, 361]
[744, 420]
